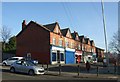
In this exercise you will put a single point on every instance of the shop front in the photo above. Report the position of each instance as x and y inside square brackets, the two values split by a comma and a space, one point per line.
[94, 57]
[78, 56]
[57, 55]
[69, 56]
[87, 57]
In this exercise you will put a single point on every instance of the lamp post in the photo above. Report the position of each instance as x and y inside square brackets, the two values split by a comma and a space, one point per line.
[105, 36]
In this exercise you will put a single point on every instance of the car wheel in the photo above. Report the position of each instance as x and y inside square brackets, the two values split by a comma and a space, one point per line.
[12, 69]
[4, 64]
[31, 72]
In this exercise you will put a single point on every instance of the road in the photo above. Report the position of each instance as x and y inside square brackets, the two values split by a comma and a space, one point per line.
[52, 74]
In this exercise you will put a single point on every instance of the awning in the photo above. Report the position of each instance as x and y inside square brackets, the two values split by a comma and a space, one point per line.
[78, 53]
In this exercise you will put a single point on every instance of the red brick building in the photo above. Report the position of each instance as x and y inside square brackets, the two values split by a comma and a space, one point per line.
[52, 45]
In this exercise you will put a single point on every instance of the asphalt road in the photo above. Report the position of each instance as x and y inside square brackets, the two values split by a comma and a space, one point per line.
[52, 75]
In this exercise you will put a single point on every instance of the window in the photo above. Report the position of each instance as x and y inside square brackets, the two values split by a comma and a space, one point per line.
[19, 62]
[92, 49]
[13, 59]
[62, 56]
[82, 47]
[54, 41]
[79, 46]
[60, 42]
[77, 37]
[67, 44]
[53, 56]
[94, 57]
[71, 45]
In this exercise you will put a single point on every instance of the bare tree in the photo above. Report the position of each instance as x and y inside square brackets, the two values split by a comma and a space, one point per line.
[5, 33]
[114, 45]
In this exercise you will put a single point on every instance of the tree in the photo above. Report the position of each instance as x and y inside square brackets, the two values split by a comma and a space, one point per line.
[114, 45]
[5, 35]
[12, 43]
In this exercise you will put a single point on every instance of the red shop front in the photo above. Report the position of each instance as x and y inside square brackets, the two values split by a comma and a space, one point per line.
[78, 56]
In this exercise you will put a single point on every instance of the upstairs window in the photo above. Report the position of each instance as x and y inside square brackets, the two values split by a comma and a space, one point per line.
[79, 47]
[82, 47]
[54, 41]
[60, 42]
[67, 44]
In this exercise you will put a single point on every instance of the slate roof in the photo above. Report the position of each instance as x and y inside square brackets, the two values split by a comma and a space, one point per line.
[31, 22]
[51, 27]
[64, 31]
[73, 35]
[81, 38]
[86, 40]
[91, 42]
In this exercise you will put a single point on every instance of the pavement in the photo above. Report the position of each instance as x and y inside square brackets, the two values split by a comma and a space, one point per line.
[72, 71]
[68, 72]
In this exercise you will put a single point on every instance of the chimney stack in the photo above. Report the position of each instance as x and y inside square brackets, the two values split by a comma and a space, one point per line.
[75, 32]
[23, 24]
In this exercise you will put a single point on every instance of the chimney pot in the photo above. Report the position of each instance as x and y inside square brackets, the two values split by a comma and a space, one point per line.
[24, 24]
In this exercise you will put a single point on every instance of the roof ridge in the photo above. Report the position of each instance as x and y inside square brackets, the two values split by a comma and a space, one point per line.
[64, 28]
[50, 24]
[40, 25]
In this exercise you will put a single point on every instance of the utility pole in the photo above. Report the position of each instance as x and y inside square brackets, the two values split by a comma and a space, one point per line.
[104, 25]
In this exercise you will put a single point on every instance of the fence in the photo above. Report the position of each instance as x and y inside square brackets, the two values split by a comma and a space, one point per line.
[77, 69]
[6, 56]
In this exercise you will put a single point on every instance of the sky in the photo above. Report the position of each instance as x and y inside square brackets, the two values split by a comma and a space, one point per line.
[83, 17]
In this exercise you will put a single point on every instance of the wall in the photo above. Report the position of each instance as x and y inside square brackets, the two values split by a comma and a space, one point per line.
[35, 40]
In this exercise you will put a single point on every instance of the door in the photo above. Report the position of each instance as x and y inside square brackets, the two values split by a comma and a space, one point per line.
[24, 67]
[58, 56]
[70, 57]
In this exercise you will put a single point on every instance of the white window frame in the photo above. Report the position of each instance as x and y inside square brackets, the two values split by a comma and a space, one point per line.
[60, 42]
[54, 41]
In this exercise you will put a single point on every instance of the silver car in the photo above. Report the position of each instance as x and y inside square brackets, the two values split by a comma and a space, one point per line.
[28, 67]
[11, 60]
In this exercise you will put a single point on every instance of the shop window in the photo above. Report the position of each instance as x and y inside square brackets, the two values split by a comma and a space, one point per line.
[53, 56]
[94, 57]
[62, 56]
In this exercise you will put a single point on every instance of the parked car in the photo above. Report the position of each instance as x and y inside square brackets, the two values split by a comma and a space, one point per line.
[11, 60]
[25, 66]
[31, 60]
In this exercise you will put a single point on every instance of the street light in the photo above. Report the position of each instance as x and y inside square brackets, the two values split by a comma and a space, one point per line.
[105, 36]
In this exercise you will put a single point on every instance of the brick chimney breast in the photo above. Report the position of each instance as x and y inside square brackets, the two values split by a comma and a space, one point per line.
[24, 24]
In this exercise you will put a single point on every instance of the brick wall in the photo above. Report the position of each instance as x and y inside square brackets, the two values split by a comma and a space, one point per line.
[34, 40]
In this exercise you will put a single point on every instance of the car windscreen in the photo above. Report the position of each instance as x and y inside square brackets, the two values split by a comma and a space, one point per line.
[30, 63]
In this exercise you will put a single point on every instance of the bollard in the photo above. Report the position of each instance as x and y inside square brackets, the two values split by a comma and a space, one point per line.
[97, 70]
[115, 69]
[59, 69]
[42, 65]
[47, 67]
[78, 69]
